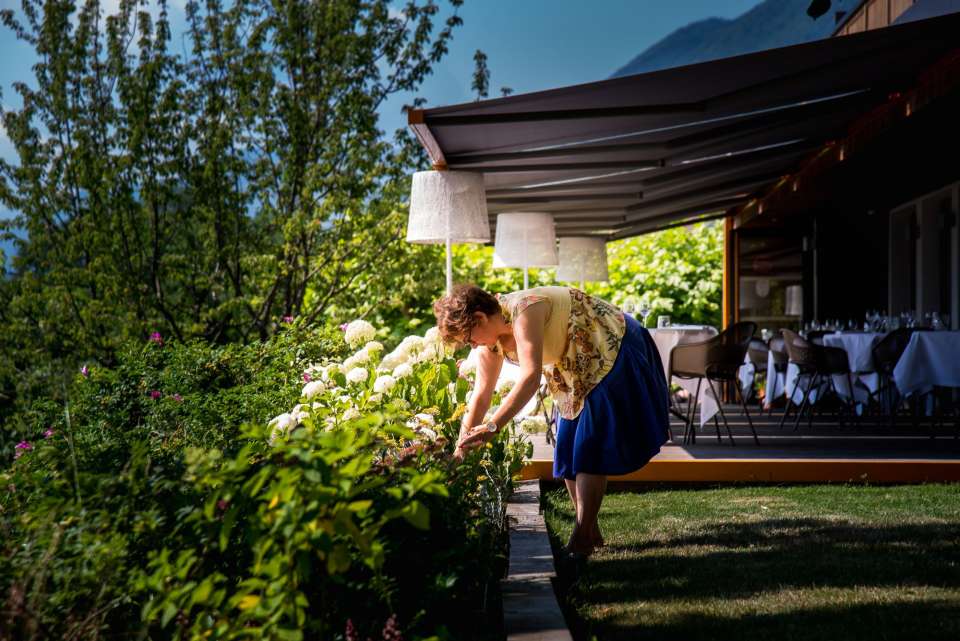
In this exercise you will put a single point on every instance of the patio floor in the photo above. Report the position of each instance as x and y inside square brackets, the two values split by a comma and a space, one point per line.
[826, 451]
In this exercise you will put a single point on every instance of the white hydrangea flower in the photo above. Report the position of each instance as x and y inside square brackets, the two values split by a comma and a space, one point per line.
[345, 398]
[362, 357]
[357, 375]
[359, 332]
[402, 370]
[390, 361]
[384, 384]
[411, 345]
[373, 347]
[299, 412]
[467, 368]
[429, 433]
[329, 370]
[313, 388]
[351, 414]
[425, 419]
[281, 425]
[349, 363]
[432, 335]
[375, 399]
[504, 385]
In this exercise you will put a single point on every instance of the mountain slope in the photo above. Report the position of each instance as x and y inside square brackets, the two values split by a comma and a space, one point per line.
[771, 24]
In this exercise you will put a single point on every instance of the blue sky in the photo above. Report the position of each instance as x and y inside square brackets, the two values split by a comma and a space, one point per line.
[531, 45]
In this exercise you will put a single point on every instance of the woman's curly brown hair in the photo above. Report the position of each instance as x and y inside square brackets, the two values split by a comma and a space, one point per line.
[455, 311]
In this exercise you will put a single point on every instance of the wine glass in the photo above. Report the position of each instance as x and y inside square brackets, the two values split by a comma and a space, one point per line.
[644, 309]
[629, 305]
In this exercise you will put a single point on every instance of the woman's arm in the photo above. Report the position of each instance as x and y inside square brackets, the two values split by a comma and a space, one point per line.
[489, 364]
[528, 331]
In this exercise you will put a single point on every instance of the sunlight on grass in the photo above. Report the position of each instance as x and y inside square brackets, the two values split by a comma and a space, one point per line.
[760, 562]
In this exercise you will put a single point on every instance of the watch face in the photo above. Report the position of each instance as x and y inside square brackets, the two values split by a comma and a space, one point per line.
[491, 426]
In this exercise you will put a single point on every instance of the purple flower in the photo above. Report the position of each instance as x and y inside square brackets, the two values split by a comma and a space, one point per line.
[85, 371]
[343, 327]
[155, 394]
[21, 448]
[156, 338]
[49, 433]
[287, 319]
[222, 505]
[178, 398]
[306, 377]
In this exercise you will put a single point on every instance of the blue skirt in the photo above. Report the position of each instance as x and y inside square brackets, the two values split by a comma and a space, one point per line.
[625, 418]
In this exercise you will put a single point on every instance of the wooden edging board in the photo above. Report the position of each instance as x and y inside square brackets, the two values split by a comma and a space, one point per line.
[779, 471]
[530, 608]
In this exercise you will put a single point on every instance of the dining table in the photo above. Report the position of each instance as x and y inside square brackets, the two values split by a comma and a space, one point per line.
[931, 359]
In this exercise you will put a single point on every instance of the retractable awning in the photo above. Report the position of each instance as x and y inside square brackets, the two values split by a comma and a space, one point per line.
[636, 154]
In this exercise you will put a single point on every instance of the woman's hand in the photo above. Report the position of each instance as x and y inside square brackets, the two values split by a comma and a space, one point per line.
[471, 438]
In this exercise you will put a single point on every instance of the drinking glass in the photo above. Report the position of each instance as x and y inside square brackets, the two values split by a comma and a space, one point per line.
[644, 311]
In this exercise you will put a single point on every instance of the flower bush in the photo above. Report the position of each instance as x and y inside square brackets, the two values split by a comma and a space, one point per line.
[344, 517]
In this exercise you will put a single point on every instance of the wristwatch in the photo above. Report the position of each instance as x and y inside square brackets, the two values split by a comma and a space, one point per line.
[491, 426]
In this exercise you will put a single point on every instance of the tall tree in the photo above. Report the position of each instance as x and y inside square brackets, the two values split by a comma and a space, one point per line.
[211, 189]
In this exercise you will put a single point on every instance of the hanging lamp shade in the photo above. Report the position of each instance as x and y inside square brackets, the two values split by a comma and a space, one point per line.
[583, 258]
[448, 206]
[525, 239]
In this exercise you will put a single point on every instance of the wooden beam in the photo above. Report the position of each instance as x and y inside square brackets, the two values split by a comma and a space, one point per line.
[416, 121]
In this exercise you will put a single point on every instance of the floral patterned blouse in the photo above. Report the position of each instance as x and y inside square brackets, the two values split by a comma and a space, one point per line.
[581, 341]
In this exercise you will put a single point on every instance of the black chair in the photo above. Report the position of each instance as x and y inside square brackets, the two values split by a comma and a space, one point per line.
[757, 352]
[780, 361]
[716, 360]
[886, 353]
[814, 362]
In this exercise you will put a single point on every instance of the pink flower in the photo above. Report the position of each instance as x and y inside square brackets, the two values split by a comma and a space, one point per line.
[351, 632]
[343, 327]
[21, 448]
[178, 398]
[306, 377]
[155, 394]
[287, 319]
[390, 631]
[85, 371]
[222, 505]
[156, 338]
[49, 433]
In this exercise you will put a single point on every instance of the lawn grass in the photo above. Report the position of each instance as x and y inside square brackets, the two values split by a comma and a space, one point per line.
[794, 562]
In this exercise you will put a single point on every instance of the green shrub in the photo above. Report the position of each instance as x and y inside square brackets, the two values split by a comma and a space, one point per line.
[348, 517]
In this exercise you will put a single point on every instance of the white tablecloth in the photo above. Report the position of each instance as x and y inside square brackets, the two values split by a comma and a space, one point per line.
[859, 349]
[931, 358]
[668, 337]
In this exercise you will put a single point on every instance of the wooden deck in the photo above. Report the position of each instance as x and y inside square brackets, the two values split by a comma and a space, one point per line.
[826, 451]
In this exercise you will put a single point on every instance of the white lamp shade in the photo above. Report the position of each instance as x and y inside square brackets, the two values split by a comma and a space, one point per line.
[448, 205]
[525, 239]
[583, 259]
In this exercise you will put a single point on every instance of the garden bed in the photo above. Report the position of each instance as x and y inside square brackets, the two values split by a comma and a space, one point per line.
[817, 562]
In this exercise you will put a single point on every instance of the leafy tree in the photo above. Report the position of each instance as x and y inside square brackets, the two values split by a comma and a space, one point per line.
[207, 189]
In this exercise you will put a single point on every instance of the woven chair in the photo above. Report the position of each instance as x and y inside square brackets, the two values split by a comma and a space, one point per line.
[815, 362]
[714, 360]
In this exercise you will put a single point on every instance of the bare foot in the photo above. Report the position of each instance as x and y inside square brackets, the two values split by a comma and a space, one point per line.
[579, 545]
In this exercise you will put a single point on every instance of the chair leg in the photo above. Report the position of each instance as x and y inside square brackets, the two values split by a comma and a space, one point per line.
[747, 414]
[722, 413]
[688, 432]
[806, 401]
[789, 402]
[693, 412]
